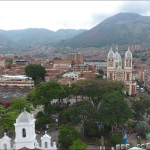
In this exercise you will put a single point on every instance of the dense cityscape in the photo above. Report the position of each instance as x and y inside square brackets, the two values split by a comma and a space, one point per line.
[72, 81]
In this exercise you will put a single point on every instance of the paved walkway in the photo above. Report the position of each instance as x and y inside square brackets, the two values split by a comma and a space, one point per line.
[132, 139]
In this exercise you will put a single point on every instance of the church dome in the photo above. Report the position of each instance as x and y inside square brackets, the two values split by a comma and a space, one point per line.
[128, 54]
[117, 56]
[110, 53]
[25, 117]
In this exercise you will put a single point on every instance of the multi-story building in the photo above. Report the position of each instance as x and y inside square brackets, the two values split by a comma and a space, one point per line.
[19, 80]
[76, 57]
[80, 68]
[117, 71]
[98, 64]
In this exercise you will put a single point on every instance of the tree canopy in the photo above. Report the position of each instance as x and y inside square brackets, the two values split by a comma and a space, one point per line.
[140, 105]
[142, 127]
[67, 135]
[44, 93]
[81, 112]
[78, 145]
[9, 61]
[18, 104]
[35, 71]
[94, 89]
[114, 109]
[9, 116]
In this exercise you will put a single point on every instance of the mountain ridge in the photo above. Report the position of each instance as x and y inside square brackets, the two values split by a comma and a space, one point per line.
[120, 29]
[29, 37]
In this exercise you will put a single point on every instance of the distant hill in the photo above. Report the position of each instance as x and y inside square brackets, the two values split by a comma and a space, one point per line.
[121, 29]
[15, 39]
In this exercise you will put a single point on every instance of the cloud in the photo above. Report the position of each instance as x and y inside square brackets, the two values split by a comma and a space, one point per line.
[139, 7]
[56, 15]
[99, 17]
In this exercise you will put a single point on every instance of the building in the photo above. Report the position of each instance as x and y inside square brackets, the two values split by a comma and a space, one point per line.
[62, 65]
[21, 62]
[73, 75]
[65, 81]
[2, 62]
[19, 80]
[98, 64]
[119, 72]
[25, 135]
[80, 68]
[76, 57]
[9, 56]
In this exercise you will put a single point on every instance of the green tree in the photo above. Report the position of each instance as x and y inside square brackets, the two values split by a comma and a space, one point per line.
[94, 89]
[7, 119]
[142, 127]
[37, 80]
[114, 109]
[44, 93]
[116, 139]
[67, 135]
[57, 58]
[34, 71]
[1, 118]
[18, 104]
[9, 61]
[101, 73]
[78, 145]
[138, 106]
[85, 112]
[43, 118]
[91, 129]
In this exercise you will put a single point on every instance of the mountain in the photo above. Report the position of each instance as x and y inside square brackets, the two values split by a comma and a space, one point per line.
[120, 29]
[15, 39]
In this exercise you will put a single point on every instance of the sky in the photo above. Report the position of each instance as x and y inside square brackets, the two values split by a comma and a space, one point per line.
[54, 15]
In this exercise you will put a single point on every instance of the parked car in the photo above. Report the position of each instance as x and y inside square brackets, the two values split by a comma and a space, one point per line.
[137, 87]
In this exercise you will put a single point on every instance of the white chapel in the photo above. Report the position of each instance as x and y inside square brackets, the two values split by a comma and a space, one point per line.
[25, 135]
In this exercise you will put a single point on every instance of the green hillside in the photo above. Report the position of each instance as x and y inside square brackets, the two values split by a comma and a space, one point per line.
[14, 39]
[120, 29]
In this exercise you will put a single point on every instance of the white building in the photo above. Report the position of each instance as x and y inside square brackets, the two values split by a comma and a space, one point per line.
[116, 70]
[25, 135]
[72, 75]
[18, 80]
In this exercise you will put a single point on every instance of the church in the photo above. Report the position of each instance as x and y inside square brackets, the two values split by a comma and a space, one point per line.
[119, 70]
[25, 135]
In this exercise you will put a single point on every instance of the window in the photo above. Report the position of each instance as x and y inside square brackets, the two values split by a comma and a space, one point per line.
[45, 144]
[5, 147]
[23, 132]
[128, 77]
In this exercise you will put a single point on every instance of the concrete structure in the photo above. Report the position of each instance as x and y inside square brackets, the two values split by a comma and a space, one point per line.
[21, 62]
[25, 135]
[80, 68]
[2, 63]
[76, 57]
[98, 64]
[117, 71]
[62, 64]
[72, 75]
[9, 56]
[19, 80]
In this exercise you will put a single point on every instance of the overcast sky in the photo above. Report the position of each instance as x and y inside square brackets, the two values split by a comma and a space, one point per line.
[54, 15]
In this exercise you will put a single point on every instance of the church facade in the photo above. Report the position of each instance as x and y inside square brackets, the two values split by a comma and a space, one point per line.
[119, 70]
[25, 135]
